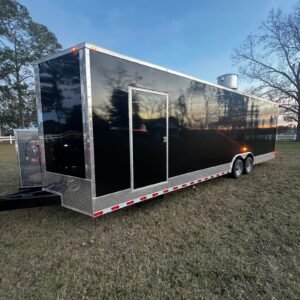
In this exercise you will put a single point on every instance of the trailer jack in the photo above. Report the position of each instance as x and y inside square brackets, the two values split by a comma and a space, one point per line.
[28, 197]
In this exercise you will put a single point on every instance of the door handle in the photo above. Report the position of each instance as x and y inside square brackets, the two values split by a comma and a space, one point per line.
[165, 139]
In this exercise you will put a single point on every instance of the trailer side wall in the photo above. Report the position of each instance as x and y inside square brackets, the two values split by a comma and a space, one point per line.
[208, 125]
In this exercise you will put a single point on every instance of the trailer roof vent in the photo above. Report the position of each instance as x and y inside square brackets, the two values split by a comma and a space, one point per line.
[228, 80]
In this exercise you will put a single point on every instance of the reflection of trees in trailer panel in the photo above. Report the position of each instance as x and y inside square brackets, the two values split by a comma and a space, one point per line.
[62, 115]
[148, 137]
[202, 120]
[110, 125]
[207, 107]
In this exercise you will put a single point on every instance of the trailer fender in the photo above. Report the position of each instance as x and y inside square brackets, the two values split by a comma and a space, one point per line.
[243, 156]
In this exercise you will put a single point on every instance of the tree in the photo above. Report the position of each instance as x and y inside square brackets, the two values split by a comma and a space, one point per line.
[22, 41]
[271, 61]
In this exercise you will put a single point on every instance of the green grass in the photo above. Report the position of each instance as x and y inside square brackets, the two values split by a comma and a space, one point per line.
[225, 239]
[9, 175]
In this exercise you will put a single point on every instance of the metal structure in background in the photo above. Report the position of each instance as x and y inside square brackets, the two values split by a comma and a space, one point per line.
[28, 154]
[228, 80]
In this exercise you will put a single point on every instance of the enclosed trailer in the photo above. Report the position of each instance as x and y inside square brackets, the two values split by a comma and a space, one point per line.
[115, 130]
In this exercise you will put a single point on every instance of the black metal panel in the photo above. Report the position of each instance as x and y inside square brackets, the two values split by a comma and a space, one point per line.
[208, 126]
[149, 138]
[62, 115]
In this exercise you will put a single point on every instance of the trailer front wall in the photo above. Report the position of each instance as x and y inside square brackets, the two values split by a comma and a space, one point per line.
[208, 126]
[63, 128]
[62, 115]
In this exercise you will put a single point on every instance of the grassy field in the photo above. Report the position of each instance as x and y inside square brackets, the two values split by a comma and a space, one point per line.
[225, 239]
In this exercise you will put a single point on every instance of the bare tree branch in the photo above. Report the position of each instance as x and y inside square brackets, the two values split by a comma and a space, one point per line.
[271, 61]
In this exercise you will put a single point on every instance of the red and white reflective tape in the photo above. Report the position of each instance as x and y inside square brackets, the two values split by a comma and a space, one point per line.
[263, 160]
[156, 194]
[167, 190]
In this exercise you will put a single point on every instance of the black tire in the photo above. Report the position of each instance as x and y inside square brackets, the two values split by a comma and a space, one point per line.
[237, 168]
[248, 165]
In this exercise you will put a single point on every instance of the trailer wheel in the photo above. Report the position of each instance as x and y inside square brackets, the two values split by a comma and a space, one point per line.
[238, 168]
[248, 165]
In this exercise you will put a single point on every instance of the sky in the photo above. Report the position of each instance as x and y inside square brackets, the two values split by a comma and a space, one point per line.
[193, 37]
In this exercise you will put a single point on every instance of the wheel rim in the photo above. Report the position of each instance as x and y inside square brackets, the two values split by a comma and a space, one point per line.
[248, 165]
[239, 168]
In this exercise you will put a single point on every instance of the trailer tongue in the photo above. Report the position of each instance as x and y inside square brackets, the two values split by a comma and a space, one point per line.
[28, 160]
[28, 197]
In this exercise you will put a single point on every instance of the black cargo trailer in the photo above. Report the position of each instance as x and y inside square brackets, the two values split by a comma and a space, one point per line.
[116, 130]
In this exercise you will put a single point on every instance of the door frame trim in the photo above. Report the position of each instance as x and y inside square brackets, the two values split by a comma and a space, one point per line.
[130, 89]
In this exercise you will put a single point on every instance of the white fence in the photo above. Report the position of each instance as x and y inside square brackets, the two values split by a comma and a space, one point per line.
[286, 137]
[9, 138]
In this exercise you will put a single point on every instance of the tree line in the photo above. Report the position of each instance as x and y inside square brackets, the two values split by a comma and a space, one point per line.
[22, 41]
[270, 61]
